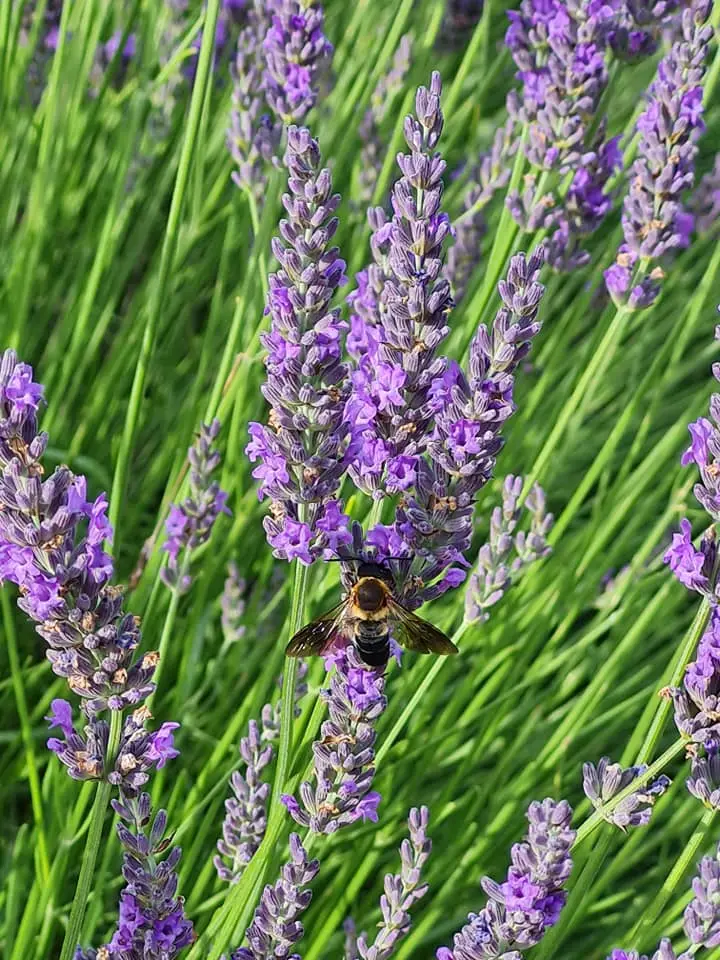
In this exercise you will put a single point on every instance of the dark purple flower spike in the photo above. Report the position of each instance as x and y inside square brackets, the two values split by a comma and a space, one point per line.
[303, 450]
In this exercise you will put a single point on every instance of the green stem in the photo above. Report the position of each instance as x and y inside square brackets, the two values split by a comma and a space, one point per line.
[287, 714]
[655, 907]
[26, 730]
[683, 657]
[167, 258]
[92, 845]
[231, 921]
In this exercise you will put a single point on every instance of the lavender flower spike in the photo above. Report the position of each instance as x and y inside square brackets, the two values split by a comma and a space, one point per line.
[246, 819]
[151, 921]
[697, 701]
[391, 406]
[276, 927]
[702, 915]
[705, 202]
[254, 135]
[496, 572]
[190, 523]
[344, 757]
[303, 450]
[601, 784]
[521, 909]
[694, 567]
[654, 218]
[296, 49]
[51, 540]
[704, 781]
[401, 891]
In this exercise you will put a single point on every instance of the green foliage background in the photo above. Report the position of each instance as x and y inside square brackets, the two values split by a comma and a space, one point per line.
[132, 276]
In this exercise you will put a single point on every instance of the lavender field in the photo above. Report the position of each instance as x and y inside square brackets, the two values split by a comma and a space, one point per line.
[317, 319]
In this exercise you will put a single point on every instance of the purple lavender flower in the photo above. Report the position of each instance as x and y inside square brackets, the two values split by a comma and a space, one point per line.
[520, 910]
[496, 572]
[232, 603]
[701, 920]
[697, 702]
[254, 135]
[402, 890]
[151, 918]
[558, 49]
[303, 450]
[381, 102]
[655, 220]
[51, 539]
[691, 566]
[276, 927]
[705, 201]
[296, 50]
[704, 780]
[190, 524]
[605, 781]
[343, 757]
[246, 818]
[390, 409]
[246, 811]
[694, 567]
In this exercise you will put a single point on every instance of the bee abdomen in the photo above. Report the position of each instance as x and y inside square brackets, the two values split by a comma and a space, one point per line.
[372, 640]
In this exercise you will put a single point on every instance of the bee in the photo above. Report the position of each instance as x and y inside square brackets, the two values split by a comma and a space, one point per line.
[366, 616]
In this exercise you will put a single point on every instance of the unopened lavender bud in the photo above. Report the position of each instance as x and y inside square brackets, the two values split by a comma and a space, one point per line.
[605, 781]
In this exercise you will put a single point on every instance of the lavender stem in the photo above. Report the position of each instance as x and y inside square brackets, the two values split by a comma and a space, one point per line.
[653, 910]
[287, 710]
[92, 845]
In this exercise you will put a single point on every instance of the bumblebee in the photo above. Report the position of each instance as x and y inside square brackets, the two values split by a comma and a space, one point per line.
[367, 616]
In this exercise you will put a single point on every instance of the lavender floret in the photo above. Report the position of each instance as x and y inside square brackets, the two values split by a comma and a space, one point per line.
[151, 917]
[254, 134]
[496, 569]
[391, 408]
[344, 756]
[402, 891]
[704, 780]
[697, 701]
[303, 450]
[655, 220]
[232, 603]
[701, 919]
[246, 812]
[605, 781]
[51, 539]
[694, 567]
[190, 523]
[276, 927]
[521, 909]
[296, 50]
[152, 920]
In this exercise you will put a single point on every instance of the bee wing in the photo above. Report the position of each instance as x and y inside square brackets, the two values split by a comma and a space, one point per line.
[316, 635]
[417, 634]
